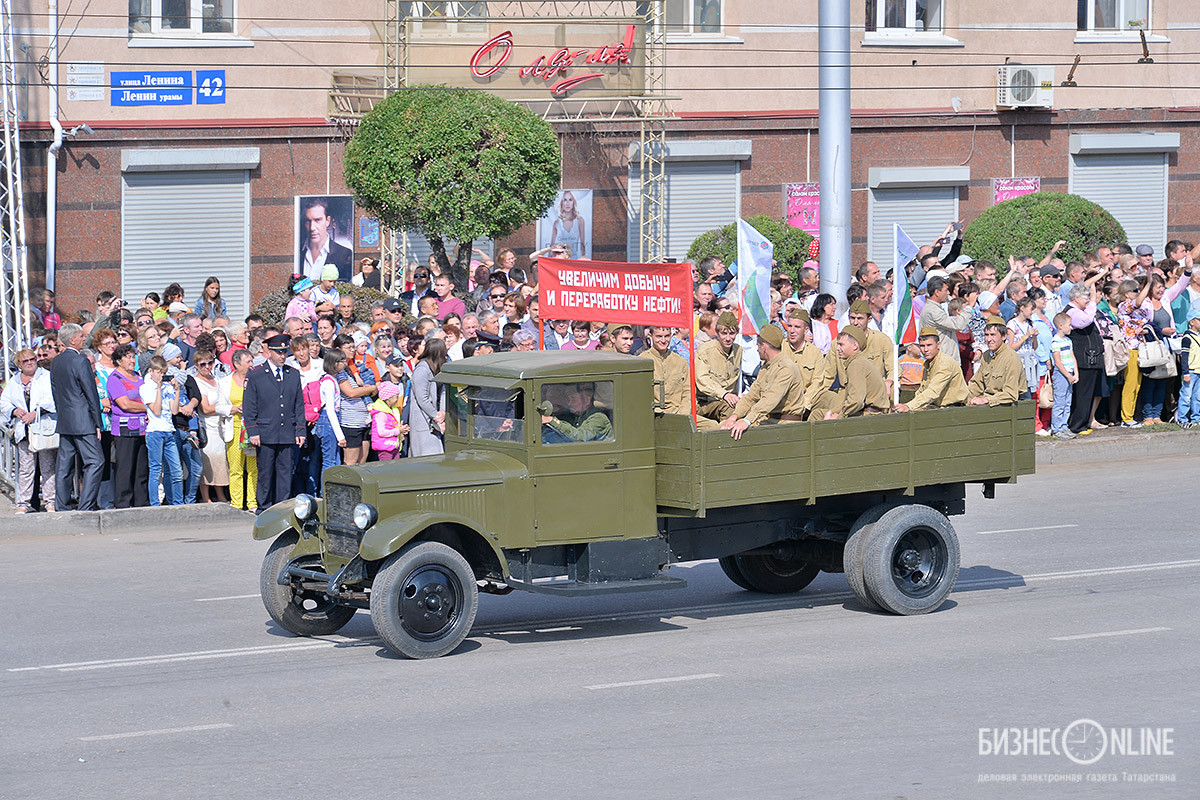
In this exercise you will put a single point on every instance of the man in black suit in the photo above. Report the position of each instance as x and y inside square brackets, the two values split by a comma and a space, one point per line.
[319, 249]
[273, 413]
[73, 385]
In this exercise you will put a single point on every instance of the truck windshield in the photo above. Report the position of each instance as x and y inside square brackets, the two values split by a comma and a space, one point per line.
[495, 414]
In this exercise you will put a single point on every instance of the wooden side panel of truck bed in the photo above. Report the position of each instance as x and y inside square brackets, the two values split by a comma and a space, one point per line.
[809, 460]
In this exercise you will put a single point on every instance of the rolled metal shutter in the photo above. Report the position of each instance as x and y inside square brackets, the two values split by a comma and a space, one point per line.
[923, 212]
[700, 196]
[1130, 186]
[182, 227]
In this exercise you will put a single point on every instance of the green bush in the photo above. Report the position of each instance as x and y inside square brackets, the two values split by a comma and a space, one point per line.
[791, 244]
[1031, 224]
[273, 305]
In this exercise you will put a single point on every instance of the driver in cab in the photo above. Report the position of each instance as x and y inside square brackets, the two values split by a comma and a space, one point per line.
[569, 414]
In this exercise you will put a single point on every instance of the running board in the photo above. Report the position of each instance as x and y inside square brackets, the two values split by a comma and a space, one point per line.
[585, 589]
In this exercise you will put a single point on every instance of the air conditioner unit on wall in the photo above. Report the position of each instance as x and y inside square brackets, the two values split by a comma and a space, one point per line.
[1023, 86]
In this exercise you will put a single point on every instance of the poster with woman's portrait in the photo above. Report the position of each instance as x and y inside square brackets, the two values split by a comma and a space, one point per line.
[325, 235]
[568, 221]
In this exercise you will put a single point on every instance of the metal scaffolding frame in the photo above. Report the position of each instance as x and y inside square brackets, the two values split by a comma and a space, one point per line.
[352, 96]
[14, 280]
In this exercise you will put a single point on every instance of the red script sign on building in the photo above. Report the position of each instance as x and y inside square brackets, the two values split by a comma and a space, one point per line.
[554, 67]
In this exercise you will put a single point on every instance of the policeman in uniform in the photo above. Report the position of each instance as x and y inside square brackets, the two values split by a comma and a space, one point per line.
[806, 355]
[864, 392]
[672, 371]
[273, 414]
[942, 383]
[776, 394]
[999, 379]
[879, 349]
[718, 367]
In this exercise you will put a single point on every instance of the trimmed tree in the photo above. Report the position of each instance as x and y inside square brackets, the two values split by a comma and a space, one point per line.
[791, 244]
[1031, 224]
[456, 164]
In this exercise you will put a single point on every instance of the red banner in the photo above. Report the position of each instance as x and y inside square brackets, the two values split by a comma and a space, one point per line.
[609, 291]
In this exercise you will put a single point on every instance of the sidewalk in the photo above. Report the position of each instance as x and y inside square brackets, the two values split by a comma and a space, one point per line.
[1119, 444]
[189, 518]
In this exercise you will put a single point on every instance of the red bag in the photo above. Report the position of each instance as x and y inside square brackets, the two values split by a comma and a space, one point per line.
[312, 401]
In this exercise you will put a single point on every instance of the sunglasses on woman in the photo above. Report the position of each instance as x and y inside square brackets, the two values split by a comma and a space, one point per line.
[203, 364]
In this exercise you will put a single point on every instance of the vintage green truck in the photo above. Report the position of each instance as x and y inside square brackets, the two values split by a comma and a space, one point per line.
[559, 478]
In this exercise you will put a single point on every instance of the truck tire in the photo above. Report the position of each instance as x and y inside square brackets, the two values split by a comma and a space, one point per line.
[911, 559]
[773, 575]
[730, 568]
[301, 613]
[852, 556]
[423, 600]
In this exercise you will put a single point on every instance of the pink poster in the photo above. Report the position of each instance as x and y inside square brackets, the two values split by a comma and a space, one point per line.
[1008, 188]
[802, 206]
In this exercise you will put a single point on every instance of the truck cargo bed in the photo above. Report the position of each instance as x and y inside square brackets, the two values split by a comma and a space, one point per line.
[808, 460]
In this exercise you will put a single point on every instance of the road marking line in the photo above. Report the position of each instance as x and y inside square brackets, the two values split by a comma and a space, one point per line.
[1107, 633]
[132, 660]
[1023, 530]
[230, 597]
[158, 732]
[704, 676]
[209, 657]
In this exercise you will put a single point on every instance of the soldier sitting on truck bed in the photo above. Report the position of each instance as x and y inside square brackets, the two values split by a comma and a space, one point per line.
[879, 349]
[777, 394]
[672, 371]
[569, 414]
[806, 355]
[864, 392]
[718, 367]
[999, 379]
[942, 383]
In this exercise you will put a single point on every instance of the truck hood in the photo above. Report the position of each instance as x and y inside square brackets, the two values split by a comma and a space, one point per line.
[463, 468]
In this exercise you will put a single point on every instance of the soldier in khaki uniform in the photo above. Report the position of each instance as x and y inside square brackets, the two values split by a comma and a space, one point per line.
[673, 371]
[806, 354]
[942, 383]
[718, 366]
[777, 393]
[864, 391]
[620, 338]
[879, 350]
[1000, 377]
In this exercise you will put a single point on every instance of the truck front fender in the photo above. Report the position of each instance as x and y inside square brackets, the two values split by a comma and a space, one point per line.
[391, 534]
[275, 520]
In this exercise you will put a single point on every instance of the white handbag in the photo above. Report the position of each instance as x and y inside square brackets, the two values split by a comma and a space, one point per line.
[1153, 353]
[38, 440]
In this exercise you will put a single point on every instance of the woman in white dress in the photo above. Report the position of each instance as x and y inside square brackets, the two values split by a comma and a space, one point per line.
[570, 228]
[215, 474]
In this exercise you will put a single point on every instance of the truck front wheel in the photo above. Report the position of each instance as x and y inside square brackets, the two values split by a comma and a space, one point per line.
[775, 575]
[911, 558]
[298, 611]
[423, 600]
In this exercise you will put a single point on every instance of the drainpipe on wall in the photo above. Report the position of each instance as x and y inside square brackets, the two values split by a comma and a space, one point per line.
[55, 146]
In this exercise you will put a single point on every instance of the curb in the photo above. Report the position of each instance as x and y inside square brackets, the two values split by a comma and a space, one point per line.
[182, 519]
[1118, 445]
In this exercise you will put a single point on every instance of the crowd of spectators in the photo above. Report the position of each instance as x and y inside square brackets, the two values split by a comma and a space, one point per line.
[1112, 339]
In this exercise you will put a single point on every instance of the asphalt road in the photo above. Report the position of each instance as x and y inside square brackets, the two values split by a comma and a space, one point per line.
[143, 666]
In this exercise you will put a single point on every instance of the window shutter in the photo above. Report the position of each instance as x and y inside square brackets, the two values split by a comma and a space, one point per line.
[1130, 186]
[700, 196]
[921, 211]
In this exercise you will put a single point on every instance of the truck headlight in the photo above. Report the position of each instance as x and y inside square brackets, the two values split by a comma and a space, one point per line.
[365, 516]
[304, 506]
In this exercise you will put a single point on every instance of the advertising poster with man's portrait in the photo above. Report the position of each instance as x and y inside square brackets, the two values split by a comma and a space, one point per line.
[568, 221]
[324, 235]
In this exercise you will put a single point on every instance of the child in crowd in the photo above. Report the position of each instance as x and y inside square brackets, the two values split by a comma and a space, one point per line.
[911, 368]
[387, 431]
[161, 401]
[1188, 414]
[1065, 375]
[153, 303]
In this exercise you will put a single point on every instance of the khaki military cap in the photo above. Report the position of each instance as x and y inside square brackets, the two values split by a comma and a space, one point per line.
[857, 334]
[796, 312]
[928, 331]
[727, 320]
[772, 336]
[613, 327]
[860, 307]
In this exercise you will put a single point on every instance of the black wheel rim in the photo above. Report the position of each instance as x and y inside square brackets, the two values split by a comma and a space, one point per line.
[918, 562]
[431, 599]
[784, 568]
[307, 601]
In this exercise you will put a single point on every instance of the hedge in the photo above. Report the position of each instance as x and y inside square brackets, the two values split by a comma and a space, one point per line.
[791, 244]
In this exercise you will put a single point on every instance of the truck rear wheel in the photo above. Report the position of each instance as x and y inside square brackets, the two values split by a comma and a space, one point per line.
[304, 613]
[730, 568]
[423, 600]
[911, 559]
[852, 556]
[775, 575]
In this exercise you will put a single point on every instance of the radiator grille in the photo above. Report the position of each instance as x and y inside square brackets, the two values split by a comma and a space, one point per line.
[341, 537]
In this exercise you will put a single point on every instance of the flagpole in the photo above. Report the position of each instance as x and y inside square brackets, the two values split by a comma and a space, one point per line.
[897, 275]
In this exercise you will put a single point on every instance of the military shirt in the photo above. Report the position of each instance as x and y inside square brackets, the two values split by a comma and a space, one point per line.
[675, 375]
[864, 387]
[831, 372]
[778, 389]
[1000, 377]
[942, 384]
[880, 351]
[716, 373]
[807, 358]
[590, 426]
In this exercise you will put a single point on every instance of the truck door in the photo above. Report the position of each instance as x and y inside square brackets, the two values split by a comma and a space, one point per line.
[577, 463]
